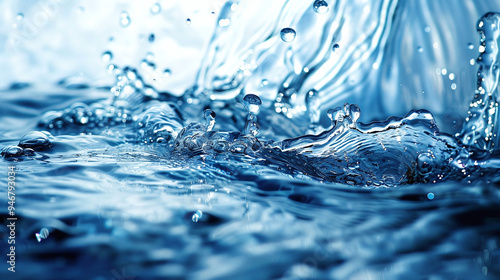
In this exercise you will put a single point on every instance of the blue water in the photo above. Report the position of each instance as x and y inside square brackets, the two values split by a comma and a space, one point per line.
[251, 139]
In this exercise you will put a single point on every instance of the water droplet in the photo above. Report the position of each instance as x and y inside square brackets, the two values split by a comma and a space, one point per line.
[335, 47]
[35, 140]
[20, 16]
[107, 56]
[252, 103]
[156, 9]
[151, 38]
[471, 46]
[430, 196]
[199, 213]
[188, 21]
[43, 234]
[320, 7]
[124, 19]
[354, 112]
[224, 22]
[420, 49]
[287, 34]
[196, 216]
[167, 72]
[209, 119]
[252, 128]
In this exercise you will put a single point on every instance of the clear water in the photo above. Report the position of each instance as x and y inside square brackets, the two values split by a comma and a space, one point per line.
[252, 139]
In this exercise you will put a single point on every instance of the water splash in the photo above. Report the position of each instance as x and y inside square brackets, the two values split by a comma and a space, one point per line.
[481, 127]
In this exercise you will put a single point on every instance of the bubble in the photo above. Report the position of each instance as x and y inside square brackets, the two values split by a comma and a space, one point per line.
[156, 9]
[43, 234]
[470, 46]
[151, 38]
[20, 16]
[430, 196]
[124, 19]
[210, 119]
[252, 103]
[188, 21]
[35, 140]
[335, 48]
[287, 34]
[12, 151]
[107, 56]
[420, 49]
[320, 7]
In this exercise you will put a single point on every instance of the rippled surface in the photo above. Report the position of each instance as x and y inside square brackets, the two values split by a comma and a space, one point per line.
[226, 149]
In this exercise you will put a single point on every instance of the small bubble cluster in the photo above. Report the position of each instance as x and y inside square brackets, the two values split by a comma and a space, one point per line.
[29, 143]
[124, 19]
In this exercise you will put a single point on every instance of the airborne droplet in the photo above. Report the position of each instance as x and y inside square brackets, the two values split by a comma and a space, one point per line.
[210, 119]
[124, 19]
[252, 103]
[156, 9]
[335, 48]
[107, 56]
[287, 34]
[320, 7]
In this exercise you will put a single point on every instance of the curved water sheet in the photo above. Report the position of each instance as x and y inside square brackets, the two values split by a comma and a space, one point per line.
[210, 150]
